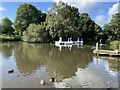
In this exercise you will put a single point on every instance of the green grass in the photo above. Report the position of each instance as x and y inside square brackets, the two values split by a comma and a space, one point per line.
[114, 44]
[9, 37]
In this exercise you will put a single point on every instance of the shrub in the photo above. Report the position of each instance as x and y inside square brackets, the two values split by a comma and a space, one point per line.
[35, 33]
[114, 44]
[9, 37]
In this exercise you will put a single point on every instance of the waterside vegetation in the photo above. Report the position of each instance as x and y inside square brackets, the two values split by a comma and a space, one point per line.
[62, 20]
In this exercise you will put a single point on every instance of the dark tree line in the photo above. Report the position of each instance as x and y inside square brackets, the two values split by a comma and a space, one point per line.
[62, 20]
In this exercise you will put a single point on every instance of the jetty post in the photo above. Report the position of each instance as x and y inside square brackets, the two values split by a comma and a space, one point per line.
[97, 46]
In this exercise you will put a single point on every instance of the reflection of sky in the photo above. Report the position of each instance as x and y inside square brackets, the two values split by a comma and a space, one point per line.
[0, 72]
[102, 67]
[96, 75]
[0, 61]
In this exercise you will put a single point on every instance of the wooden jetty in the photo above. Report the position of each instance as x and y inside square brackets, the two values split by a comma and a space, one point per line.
[114, 53]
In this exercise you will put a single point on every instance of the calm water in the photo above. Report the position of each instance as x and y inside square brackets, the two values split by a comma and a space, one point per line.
[76, 67]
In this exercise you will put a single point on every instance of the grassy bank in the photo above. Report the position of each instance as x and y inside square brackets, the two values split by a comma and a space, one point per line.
[114, 44]
[10, 38]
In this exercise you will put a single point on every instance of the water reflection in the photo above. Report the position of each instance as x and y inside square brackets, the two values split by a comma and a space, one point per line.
[6, 49]
[66, 65]
[96, 75]
[113, 62]
[63, 46]
[29, 57]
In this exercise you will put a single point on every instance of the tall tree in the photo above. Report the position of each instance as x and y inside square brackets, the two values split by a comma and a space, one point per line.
[89, 28]
[65, 21]
[112, 29]
[0, 28]
[25, 15]
[62, 21]
[6, 25]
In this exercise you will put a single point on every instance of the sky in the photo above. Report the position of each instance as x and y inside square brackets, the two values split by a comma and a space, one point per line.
[99, 11]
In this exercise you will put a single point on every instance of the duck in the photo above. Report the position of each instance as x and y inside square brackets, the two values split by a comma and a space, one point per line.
[52, 79]
[42, 82]
[11, 71]
[108, 88]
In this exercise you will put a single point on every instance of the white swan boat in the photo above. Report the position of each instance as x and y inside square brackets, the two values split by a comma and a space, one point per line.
[69, 42]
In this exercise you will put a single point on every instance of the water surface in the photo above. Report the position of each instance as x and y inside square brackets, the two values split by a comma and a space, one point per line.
[74, 67]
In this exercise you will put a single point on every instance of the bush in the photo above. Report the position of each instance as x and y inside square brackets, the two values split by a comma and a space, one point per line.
[114, 44]
[35, 33]
[9, 37]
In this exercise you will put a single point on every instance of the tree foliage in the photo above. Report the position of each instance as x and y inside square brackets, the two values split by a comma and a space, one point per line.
[62, 20]
[0, 29]
[25, 15]
[112, 29]
[89, 28]
[36, 33]
[6, 25]
[65, 21]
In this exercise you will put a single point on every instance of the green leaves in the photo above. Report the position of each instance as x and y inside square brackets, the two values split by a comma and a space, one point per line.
[65, 21]
[36, 33]
[6, 25]
[112, 29]
[25, 15]
[62, 21]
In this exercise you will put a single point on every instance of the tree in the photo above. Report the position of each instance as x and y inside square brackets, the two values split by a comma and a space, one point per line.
[89, 28]
[62, 21]
[112, 29]
[25, 15]
[6, 25]
[36, 33]
[65, 21]
[0, 28]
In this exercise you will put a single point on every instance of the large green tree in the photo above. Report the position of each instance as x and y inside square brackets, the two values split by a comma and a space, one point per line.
[112, 29]
[25, 15]
[89, 28]
[0, 28]
[62, 21]
[65, 21]
[6, 25]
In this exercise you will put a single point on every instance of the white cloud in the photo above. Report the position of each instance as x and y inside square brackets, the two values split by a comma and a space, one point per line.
[100, 20]
[44, 12]
[88, 6]
[2, 9]
[86, 0]
[112, 10]
[49, 9]
[82, 5]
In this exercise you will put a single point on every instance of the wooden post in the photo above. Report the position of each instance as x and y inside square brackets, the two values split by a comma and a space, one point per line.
[97, 46]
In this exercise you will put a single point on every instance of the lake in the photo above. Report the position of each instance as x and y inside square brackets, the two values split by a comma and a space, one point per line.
[72, 67]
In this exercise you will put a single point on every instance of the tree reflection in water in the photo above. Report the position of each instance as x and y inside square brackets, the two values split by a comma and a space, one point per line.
[6, 49]
[31, 57]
